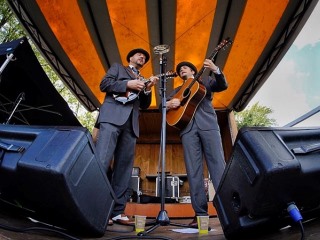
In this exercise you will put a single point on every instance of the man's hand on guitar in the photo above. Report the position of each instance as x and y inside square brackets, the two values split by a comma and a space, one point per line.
[173, 103]
[210, 64]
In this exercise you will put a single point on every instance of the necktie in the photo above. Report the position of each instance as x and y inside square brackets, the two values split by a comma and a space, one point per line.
[135, 71]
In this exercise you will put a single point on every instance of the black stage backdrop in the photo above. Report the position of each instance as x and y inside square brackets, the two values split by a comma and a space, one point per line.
[27, 97]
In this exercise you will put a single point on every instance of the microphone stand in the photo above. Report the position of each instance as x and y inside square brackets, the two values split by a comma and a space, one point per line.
[6, 62]
[17, 102]
[162, 219]
[6, 147]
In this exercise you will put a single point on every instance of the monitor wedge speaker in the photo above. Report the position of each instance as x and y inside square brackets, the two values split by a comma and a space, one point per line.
[52, 173]
[269, 169]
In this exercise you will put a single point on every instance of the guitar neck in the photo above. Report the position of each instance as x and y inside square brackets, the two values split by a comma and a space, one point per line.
[211, 57]
[201, 71]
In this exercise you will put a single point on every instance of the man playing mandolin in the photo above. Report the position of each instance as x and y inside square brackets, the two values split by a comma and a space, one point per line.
[201, 135]
[119, 124]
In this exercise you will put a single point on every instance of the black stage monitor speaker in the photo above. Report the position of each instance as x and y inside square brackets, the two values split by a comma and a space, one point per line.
[52, 174]
[269, 169]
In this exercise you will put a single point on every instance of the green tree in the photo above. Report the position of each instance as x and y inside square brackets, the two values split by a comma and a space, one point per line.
[10, 29]
[9, 25]
[255, 116]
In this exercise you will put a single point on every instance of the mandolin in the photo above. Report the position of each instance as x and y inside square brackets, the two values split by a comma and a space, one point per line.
[130, 96]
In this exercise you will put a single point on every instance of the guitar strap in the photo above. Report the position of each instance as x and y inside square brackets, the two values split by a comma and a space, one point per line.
[131, 73]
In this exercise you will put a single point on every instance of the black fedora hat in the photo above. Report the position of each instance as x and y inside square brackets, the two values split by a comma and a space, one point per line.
[189, 64]
[138, 50]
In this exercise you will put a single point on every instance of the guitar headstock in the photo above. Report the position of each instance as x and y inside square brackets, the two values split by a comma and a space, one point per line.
[221, 45]
[224, 43]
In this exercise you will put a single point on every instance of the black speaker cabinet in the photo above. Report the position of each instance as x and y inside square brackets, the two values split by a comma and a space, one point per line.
[134, 191]
[172, 185]
[53, 175]
[269, 169]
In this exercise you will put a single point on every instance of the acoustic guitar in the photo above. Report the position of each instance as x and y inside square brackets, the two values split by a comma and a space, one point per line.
[190, 95]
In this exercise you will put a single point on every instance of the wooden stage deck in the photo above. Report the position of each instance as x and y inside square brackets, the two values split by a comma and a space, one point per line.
[15, 228]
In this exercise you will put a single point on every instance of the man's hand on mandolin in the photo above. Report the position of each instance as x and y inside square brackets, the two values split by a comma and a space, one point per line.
[135, 84]
[152, 81]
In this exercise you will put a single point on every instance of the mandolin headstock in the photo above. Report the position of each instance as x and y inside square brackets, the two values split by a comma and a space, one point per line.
[171, 74]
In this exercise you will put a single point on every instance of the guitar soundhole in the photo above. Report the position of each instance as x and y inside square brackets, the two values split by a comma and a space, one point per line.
[186, 92]
[185, 96]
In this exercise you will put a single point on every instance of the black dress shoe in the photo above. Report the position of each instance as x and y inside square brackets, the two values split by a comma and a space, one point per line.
[194, 223]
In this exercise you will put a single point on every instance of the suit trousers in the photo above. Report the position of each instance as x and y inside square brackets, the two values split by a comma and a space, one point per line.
[200, 145]
[117, 143]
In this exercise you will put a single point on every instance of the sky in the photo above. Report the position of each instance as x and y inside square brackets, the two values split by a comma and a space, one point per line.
[293, 89]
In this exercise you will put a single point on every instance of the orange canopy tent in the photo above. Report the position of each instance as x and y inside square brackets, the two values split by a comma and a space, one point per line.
[82, 38]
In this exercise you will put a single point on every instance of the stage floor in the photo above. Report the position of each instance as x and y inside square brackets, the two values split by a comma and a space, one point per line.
[19, 225]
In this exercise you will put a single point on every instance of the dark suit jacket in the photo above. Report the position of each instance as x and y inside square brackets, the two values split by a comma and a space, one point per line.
[114, 112]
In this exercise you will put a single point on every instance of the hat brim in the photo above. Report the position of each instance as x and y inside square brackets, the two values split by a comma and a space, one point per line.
[138, 50]
[188, 64]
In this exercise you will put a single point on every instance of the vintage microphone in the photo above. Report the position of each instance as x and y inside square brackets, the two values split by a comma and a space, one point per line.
[160, 50]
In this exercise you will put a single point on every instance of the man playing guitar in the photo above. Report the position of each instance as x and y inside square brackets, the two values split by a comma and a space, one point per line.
[201, 135]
